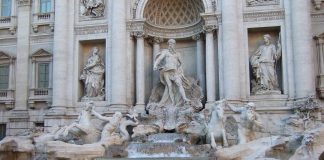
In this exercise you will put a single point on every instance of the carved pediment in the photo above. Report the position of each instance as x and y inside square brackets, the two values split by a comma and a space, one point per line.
[4, 56]
[41, 53]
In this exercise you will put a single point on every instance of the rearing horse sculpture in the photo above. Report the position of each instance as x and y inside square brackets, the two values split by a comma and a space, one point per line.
[216, 125]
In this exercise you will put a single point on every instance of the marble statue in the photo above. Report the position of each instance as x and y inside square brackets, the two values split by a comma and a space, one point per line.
[305, 151]
[81, 130]
[93, 77]
[216, 124]
[114, 132]
[94, 8]
[263, 63]
[176, 99]
[171, 74]
[249, 122]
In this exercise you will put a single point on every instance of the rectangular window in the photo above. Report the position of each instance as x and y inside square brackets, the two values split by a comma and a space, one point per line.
[4, 76]
[5, 8]
[45, 6]
[2, 131]
[43, 75]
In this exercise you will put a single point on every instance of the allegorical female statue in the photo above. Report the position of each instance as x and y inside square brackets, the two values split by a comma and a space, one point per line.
[263, 63]
[93, 77]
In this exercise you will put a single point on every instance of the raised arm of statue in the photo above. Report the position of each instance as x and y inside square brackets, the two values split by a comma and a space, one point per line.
[158, 60]
[99, 116]
[234, 109]
[257, 121]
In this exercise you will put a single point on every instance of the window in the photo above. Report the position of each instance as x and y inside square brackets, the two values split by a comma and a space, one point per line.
[43, 75]
[2, 131]
[5, 8]
[4, 76]
[45, 6]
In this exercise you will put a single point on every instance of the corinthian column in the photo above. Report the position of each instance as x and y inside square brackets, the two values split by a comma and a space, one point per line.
[23, 34]
[118, 39]
[156, 50]
[60, 56]
[302, 47]
[140, 73]
[200, 61]
[230, 49]
[210, 64]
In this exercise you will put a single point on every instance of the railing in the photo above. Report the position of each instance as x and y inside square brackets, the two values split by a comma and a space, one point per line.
[8, 22]
[5, 20]
[6, 95]
[40, 94]
[43, 17]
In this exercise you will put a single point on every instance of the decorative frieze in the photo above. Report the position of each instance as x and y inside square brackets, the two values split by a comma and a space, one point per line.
[252, 3]
[91, 30]
[23, 3]
[173, 33]
[264, 16]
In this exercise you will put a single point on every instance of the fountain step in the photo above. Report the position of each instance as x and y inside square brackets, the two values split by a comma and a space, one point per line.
[167, 158]
[167, 138]
[165, 150]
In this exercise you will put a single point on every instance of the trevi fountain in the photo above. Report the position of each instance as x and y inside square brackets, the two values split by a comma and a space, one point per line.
[161, 79]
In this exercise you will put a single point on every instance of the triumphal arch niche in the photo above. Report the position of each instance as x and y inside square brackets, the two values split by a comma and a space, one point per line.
[192, 23]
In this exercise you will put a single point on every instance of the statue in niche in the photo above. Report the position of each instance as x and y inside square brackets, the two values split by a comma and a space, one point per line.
[264, 62]
[93, 77]
[175, 93]
[249, 122]
[94, 8]
[171, 74]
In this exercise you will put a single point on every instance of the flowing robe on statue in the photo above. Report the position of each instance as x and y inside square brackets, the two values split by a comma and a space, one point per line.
[264, 67]
[93, 75]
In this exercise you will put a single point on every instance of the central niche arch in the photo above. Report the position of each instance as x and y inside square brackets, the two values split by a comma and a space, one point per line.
[173, 13]
[172, 18]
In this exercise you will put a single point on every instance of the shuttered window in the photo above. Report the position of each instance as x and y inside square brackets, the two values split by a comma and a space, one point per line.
[43, 75]
[4, 76]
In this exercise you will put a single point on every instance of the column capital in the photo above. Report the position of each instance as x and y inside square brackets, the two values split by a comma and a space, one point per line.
[138, 34]
[209, 28]
[23, 3]
[317, 4]
[197, 37]
[319, 38]
[155, 40]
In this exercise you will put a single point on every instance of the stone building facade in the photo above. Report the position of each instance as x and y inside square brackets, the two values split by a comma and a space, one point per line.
[45, 44]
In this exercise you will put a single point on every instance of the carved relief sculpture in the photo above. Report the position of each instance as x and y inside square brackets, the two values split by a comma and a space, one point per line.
[249, 122]
[95, 8]
[263, 63]
[93, 77]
